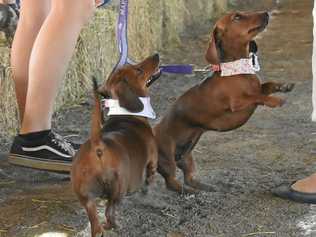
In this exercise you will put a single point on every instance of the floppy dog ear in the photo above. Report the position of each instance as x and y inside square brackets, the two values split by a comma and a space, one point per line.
[215, 52]
[127, 98]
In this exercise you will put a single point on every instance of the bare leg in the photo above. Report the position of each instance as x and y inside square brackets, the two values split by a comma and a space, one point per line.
[30, 22]
[51, 53]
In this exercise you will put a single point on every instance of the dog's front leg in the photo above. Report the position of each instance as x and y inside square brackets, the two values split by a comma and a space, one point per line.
[273, 87]
[250, 101]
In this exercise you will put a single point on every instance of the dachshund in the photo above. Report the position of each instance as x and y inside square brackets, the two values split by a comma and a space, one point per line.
[122, 153]
[222, 102]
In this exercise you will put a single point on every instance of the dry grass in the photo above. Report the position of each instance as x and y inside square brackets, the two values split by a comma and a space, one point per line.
[153, 25]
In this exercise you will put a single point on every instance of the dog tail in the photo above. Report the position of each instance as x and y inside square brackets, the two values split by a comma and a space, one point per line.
[96, 115]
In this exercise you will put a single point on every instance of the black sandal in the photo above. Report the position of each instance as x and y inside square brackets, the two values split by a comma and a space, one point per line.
[286, 191]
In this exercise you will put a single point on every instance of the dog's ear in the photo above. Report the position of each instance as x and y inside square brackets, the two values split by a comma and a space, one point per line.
[215, 52]
[103, 91]
[127, 98]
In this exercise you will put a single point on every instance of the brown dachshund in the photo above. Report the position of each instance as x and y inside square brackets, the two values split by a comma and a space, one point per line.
[114, 161]
[219, 103]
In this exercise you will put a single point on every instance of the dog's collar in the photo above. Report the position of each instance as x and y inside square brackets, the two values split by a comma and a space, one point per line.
[242, 66]
[115, 108]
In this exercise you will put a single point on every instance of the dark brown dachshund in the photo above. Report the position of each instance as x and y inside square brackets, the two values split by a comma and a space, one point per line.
[219, 103]
[114, 161]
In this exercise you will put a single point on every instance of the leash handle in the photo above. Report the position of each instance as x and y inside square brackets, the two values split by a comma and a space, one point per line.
[177, 68]
[121, 34]
[122, 42]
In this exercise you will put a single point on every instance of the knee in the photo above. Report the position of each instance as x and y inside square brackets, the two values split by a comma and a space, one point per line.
[81, 11]
[87, 10]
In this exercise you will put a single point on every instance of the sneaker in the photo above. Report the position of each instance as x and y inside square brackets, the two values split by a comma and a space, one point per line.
[101, 3]
[52, 153]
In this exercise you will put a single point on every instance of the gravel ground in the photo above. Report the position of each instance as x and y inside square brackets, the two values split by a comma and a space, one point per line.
[273, 147]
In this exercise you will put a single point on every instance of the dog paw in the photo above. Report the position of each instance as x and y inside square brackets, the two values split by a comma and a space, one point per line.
[107, 225]
[200, 186]
[287, 87]
[189, 190]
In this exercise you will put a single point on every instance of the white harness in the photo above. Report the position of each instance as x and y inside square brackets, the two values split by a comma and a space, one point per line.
[115, 108]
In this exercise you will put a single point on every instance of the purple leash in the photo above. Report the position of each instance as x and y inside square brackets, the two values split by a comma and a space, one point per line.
[123, 45]
[122, 34]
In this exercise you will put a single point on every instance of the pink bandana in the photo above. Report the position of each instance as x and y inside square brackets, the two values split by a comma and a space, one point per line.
[242, 66]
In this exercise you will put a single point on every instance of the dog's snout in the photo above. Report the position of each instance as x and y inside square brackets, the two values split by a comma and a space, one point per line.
[156, 57]
[266, 17]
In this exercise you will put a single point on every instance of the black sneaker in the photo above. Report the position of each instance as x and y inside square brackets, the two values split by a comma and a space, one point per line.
[52, 153]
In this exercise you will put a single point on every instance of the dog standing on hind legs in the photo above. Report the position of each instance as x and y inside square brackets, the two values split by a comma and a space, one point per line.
[222, 102]
[114, 161]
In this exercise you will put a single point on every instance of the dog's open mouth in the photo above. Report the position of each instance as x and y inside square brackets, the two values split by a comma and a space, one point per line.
[153, 78]
[257, 29]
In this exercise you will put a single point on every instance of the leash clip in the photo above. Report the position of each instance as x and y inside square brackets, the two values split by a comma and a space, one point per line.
[254, 61]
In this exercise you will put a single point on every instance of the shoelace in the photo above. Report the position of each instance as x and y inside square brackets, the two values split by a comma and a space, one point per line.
[63, 144]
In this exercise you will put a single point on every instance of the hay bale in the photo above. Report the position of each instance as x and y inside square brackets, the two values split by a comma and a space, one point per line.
[153, 25]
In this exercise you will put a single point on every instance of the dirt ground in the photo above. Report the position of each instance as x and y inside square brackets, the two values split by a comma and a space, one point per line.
[243, 165]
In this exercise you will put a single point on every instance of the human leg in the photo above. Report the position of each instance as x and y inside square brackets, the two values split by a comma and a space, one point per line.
[49, 59]
[303, 190]
[30, 22]
[36, 146]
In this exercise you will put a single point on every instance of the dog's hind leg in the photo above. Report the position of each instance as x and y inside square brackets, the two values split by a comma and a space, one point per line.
[91, 208]
[186, 164]
[110, 215]
[167, 168]
[150, 172]
[151, 169]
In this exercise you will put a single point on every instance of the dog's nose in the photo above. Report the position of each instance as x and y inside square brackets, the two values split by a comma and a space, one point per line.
[266, 16]
[156, 57]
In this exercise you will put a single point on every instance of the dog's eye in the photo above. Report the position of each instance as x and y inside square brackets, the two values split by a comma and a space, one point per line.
[139, 70]
[237, 17]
